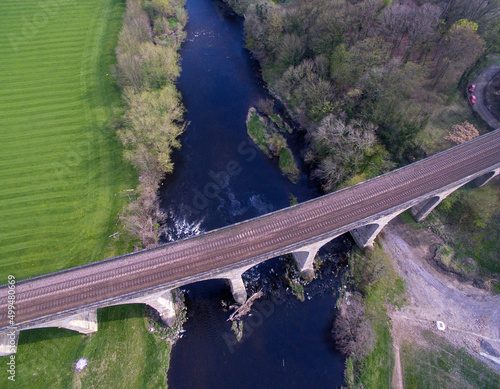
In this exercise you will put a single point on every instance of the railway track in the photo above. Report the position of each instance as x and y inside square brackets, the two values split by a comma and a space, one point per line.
[72, 288]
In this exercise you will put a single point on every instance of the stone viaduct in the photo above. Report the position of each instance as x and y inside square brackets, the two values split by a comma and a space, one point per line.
[70, 298]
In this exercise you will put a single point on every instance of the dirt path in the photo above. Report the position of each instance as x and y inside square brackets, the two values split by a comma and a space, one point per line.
[397, 374]
[470, 314]
[482, 82]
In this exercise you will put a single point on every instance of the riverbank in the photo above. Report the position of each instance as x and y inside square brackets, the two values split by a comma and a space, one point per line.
[396, 298]
[147, 69]
[470, 316]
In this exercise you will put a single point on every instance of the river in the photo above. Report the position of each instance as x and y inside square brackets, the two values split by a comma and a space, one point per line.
[221, 178]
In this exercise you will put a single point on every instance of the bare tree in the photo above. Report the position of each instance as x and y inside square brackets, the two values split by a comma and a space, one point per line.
[265, 106]
[461, 48]
[421, 31]
[142, 217]
[339, 148]
[136, 30]
[363, 17]
[397, 20]
[353, 334]
[483, 12]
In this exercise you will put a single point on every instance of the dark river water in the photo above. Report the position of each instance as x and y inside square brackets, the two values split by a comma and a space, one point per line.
[221, 178]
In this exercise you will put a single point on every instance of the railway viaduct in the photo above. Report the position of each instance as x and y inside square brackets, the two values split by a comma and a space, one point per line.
[70, 298]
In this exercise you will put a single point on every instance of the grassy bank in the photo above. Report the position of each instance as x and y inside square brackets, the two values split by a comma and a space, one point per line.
[439, 365]
[375, 285]
[62, 172]
[468, 222]
[472, 216]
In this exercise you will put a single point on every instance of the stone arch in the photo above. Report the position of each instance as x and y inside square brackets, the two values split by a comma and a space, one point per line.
[422, 209]
[304, 257]
[365, 236]
[482, 180]
[161, 301]
[370, 229]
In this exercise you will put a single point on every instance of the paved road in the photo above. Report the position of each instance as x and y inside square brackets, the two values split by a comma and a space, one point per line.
[73, 288]
[482, 82]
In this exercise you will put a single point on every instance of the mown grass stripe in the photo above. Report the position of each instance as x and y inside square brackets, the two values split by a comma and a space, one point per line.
[60, 165]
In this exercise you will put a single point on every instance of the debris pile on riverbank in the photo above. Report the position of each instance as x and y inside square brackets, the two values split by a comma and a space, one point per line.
[246, 307]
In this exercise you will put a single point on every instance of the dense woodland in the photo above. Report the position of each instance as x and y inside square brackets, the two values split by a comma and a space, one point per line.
[147, 67]
[364, 76]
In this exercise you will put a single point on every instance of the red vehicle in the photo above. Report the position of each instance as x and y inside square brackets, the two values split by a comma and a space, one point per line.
[472, 99]
[472, 88]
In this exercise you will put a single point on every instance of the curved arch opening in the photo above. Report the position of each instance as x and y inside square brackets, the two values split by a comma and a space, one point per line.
[421, 210]
[364, 236]
[481, 180]
[370, 229]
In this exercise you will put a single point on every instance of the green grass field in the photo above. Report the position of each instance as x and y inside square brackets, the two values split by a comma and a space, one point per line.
[122, 354]
[60, 167]
[60, 164]
[443, 366]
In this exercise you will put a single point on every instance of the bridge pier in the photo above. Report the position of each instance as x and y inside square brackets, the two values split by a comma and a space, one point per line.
[164, 304]
[365, 236]
[304, 257]
[84, 322]
[236, 283]
[238, 289]
[424, 208]
[8, 342]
